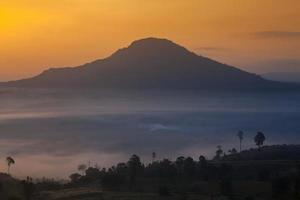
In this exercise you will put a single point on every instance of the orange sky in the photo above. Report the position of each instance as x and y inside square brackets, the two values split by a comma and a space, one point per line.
[252, 34]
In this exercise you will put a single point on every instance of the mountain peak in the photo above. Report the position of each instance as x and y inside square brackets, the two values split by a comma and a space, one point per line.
[152, 41]
[152, 47]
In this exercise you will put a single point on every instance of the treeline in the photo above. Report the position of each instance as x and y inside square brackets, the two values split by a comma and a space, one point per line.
[186, 175]
[236, 179]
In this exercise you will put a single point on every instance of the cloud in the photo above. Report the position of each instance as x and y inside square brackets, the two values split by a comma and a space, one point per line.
[210, 48]
[277, 34]
[159, 127]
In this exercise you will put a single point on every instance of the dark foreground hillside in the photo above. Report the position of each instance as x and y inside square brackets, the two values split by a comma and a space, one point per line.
[274, 152]
[240, 176]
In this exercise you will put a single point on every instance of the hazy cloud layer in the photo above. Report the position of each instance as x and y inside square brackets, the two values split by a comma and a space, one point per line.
[191, 125]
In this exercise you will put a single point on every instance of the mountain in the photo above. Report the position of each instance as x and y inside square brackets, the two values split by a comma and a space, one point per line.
[283, 76]
[149, 63]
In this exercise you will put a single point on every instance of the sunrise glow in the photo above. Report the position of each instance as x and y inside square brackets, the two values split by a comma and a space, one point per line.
[36, 35]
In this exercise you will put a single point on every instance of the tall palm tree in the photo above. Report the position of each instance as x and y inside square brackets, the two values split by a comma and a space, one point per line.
[10, 161]
[241, 137]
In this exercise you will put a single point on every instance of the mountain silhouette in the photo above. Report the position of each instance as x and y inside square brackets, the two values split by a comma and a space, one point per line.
[149, 63]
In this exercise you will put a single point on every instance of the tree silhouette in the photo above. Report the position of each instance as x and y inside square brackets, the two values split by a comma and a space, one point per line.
[134, 167]
[167, 169]
[10, 161]
[232, 151]
[241, 137]
[153, 156]
[82, 168]
[74, 177]
[189, 167]
[219, 152]
[202, 162]
[259, 139]
[180, 165]
[202, 168]
[92, 172]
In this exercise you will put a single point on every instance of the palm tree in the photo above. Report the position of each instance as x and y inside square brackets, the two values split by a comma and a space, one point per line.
[241, 137]
[10, 161]
[259, 139]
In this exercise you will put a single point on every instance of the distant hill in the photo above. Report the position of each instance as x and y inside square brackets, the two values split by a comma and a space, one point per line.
[283, 76]
[274, 152]
[150, 63]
